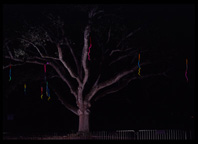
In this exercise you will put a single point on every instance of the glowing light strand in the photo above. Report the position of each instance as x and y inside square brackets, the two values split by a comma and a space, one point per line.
[186, 70]
[47, 88]
[47, 91]
[139, 64]
[10, 74]
[41, 92]
[25, 89]
[89, 50]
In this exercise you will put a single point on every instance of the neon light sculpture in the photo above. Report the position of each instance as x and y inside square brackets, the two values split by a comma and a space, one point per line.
[89, 49]
[139, 64]
[48, 94]
[46, 88]
[25, 89]
[47, 91]
[186, 70]
[41, 92]
[10, 74]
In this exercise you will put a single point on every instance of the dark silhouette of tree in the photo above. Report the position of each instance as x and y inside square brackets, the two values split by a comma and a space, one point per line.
[112, 65]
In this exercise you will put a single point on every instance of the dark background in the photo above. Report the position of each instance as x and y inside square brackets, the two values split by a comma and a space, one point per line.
[152, 103]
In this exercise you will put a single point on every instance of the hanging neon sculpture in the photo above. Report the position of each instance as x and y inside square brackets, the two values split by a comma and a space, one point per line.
[25, 89]
[10, 73]
[41, 92]
[89, 49]
[186, 70]
[139, 64]
[48, 94]
[47, 91]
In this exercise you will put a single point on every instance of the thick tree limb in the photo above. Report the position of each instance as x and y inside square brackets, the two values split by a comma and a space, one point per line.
[84, 55]
[66, 65]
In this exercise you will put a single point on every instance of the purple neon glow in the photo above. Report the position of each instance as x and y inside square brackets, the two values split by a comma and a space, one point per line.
[186, 76]
[45, 68]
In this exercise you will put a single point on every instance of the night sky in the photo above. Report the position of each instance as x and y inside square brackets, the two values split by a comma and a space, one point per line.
[152, 103]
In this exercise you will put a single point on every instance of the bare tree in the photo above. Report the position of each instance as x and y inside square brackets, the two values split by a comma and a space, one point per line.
[86, 79]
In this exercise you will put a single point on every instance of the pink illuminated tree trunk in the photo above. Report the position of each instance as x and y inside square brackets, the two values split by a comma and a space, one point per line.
[83, 122]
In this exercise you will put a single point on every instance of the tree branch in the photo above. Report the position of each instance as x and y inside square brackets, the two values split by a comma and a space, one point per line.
[9, 52]
[49, 63]
[119, 50]
[113, 80]
[84, 55]
[27, 61]
[124, 84]
[7, 66]
[74, 57]
[66, 65]
[129, 35]
[124, 56]
[66, 104]
[64, 79]
[109, 35]
[32, 45]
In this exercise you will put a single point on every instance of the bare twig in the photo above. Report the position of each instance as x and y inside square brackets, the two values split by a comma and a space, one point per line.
[32, 45]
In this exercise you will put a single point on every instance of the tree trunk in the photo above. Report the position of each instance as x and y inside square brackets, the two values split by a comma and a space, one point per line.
[83, 122]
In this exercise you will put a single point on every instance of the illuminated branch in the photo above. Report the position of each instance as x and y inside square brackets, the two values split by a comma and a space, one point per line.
[66, 65]
[74, 57]
[109, 35]
[9, 52]
[119, 50]
[32, 45]
[33, 61]
[21, 60]
[64, 79]
[113, 80]
[124, 84]
[84, 55]
[129, 35]
[124, 56]
[66, 104]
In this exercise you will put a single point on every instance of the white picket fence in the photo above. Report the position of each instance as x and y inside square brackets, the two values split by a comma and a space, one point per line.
[142, 135]
[161, 135]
